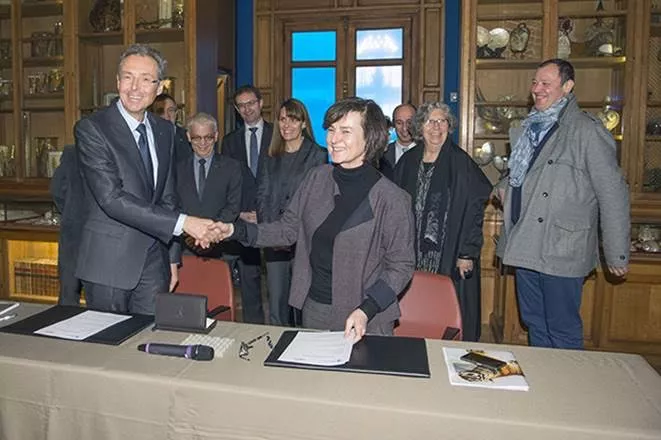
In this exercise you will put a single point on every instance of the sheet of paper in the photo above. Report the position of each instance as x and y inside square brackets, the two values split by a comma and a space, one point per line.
[318, 348]
[82, 325]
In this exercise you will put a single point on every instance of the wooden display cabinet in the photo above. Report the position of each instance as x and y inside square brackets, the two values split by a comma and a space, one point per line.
[615, 50]
[56, 66]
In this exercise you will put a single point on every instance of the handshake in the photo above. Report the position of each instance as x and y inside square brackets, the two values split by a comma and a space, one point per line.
[205, 231]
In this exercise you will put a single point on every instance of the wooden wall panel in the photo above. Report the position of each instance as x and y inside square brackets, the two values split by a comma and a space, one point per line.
[635, 313]
[432, 48]
[386, 2]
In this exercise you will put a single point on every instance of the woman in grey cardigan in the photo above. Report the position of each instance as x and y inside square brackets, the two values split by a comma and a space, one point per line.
[353, 230]
[291, 154]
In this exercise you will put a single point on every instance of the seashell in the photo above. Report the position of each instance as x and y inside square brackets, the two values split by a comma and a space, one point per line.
[606, 49]
[499, 38]
[483, 36]
[610, 118]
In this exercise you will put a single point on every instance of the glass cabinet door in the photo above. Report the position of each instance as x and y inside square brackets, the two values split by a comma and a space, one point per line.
[651, 169]
[42, 75]
[7, 121]
[509, 44]
[592, 36]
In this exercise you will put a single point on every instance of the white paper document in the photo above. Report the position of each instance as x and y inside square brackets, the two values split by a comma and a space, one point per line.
[318, 348]
[82, 325]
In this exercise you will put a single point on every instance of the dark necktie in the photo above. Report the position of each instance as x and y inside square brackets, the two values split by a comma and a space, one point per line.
[201, 178]
[143, 146]
[254, 153]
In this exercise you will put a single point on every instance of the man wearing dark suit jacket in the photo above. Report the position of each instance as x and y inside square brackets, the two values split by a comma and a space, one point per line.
[248, 144]
[166, 107]
[402, 118]
[208, 184]
[66, 186]
[125, 156]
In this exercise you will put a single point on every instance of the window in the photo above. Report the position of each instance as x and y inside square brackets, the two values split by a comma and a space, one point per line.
[366, 58]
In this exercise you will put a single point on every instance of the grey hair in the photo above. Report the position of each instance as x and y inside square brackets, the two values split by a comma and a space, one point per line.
[202, 119]
[144, 51]
[422, 114]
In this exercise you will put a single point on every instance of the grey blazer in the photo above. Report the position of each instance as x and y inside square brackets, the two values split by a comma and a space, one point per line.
[127, 215]
[372, 255]
[574, 184]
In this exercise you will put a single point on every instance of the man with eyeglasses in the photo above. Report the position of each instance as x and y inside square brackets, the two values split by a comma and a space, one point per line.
[402, 119]
[208, 184]
[125, 161]
[248, 145]
[165, 106]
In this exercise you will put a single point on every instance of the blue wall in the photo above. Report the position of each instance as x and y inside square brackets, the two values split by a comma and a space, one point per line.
[244, 42]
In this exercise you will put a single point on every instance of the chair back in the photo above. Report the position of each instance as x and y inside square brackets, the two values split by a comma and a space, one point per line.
[212, 278]
[430, 308]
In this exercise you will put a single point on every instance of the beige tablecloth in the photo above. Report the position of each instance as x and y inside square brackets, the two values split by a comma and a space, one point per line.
[52, 389]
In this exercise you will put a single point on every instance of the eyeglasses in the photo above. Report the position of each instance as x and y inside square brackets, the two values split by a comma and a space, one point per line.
[242, 105]
[439, 122]
[144, 82]
[207, 138]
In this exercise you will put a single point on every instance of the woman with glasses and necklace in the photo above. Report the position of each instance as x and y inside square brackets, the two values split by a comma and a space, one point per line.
[291, 154]
[449, 193]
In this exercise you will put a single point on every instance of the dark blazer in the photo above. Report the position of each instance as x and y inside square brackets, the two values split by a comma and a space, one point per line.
[127, 215]
[182, 148]
[234, 146]
[66, 186]
[277, 184]
[387, 162]
[221, 199]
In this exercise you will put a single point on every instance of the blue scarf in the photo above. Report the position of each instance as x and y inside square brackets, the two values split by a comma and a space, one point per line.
[535, 126]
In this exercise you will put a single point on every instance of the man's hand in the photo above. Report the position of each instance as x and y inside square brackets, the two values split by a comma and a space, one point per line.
[465, 267]
[220, 231]
[174, 276]
[355, 326]
[618, 271]
[200, 229]
[248, 217]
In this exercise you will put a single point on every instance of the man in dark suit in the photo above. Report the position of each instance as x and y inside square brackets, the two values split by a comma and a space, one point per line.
[208, 184]
[125, 156]
[248, 144]
[165, 106]
[66, 186]
[402, 118]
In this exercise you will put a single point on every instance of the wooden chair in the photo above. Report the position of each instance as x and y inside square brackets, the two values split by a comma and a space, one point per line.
[212, 278]
[430, 308]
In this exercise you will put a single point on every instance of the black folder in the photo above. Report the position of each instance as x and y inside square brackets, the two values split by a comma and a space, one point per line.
[397, 356]
[113, 335]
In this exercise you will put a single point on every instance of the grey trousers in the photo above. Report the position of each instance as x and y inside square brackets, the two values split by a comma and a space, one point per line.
[318, 316]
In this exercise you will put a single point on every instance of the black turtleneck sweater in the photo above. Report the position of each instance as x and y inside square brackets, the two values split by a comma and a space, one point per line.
[354, 186]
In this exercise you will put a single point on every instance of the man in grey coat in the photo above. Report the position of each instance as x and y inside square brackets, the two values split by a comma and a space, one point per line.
[564, 180]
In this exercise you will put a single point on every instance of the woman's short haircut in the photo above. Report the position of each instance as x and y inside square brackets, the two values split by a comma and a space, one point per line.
[373, 122]
[422, 114]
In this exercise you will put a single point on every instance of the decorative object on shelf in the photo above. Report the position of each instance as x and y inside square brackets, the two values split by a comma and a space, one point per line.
[653, 127]
[6, 88]
[106, 16]
[37, 83]
[600, 36]
[56, 45]
[178, 14]
[648, 239]
[649, 232]
[498, 119]
[5, 51]
[55, 81]
[483, 155]
[565, 27]
[165, 13]
[609, 116]
[498, 40]
[6, 161]
[169, 83]
[43, 147]
[54, 158]
[40, 43]
[519, 39]
[500, 162]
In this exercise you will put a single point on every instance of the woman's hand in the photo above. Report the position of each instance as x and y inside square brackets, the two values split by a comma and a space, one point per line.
[355, 326]
[465, 267]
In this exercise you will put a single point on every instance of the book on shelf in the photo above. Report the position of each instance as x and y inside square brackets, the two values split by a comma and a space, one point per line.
[484, 369]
